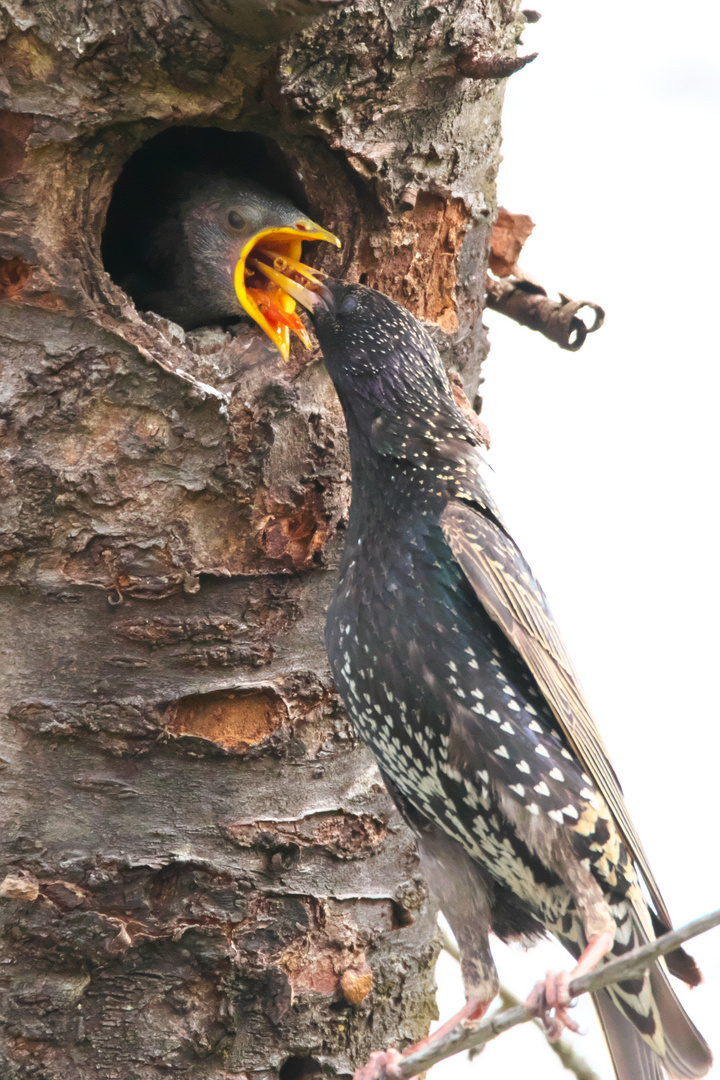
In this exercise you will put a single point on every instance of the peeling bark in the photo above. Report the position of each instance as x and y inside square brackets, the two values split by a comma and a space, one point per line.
[201, 872]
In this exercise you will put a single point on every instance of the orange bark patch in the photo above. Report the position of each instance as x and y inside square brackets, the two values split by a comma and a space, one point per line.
[509, 234]
[356, 983]
[295, 535]
[235, 720]
[420, 265]
[14, 274]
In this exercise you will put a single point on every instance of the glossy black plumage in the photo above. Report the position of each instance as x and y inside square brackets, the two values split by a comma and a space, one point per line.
[450, 664]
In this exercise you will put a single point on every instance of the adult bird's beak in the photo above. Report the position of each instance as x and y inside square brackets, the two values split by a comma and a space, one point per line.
[263, 287]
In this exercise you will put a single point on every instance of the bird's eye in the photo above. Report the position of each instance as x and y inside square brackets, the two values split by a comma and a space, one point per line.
[235, 220]
[349, 303]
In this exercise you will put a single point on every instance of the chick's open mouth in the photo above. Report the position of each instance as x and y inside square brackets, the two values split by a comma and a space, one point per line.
[270, 278]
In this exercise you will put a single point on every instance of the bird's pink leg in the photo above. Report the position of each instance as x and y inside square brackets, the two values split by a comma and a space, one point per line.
[597, 947]
[551, 994]
[471, 1010]
[383, 1064]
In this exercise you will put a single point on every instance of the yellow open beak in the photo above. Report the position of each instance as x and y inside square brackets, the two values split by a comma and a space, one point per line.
[266, 301]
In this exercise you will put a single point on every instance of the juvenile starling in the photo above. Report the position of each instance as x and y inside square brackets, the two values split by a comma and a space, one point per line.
[195, 260]
[450, 665]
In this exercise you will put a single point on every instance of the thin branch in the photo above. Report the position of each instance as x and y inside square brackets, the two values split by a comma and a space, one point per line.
[569, 1056]
[465, 1036]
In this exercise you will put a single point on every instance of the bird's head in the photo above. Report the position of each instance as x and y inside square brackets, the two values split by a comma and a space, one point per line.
[229, 226]
[381, 359]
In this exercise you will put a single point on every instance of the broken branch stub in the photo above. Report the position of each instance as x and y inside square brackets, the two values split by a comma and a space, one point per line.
[512, 293]
[558, 320]
[473, 63]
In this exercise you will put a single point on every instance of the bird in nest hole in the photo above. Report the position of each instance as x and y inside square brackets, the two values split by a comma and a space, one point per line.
[197, 260]
[450, 664]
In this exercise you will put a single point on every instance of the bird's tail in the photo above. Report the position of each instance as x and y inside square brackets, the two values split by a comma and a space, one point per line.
[686, 1056]
[646, 1028]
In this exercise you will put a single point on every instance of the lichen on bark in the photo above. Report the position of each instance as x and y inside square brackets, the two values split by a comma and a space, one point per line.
[203, 873]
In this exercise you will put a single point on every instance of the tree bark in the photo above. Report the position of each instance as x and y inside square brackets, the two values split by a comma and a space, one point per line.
[201, 872]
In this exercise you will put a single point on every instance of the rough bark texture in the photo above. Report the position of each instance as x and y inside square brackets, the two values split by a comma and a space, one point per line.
[201, 873]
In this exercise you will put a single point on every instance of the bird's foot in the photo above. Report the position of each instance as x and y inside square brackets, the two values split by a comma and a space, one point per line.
[383, 1065]
[552, 995]
[550, 1000]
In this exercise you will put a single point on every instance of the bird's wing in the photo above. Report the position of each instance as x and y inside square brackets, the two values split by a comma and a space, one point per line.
[449, 439]
[505, 586]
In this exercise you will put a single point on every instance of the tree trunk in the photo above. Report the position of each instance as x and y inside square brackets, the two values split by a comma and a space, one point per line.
[201, 872]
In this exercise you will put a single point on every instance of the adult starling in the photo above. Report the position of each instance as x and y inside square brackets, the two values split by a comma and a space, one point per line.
[194, 259]
[448, 660]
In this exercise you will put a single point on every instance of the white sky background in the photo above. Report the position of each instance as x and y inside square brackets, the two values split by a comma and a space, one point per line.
[606, 460]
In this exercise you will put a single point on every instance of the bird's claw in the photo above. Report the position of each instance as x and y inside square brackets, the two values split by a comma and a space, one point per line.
[383, 1065]
[550, 1001]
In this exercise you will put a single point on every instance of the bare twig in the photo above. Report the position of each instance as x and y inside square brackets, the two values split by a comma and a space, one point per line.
[465, 1036]
[571, 1059]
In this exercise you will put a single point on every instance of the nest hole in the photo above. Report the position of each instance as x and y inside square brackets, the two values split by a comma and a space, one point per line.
[300, 1068]
[153, 179]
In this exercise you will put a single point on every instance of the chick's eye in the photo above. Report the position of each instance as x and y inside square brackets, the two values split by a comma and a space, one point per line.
[235, 220]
